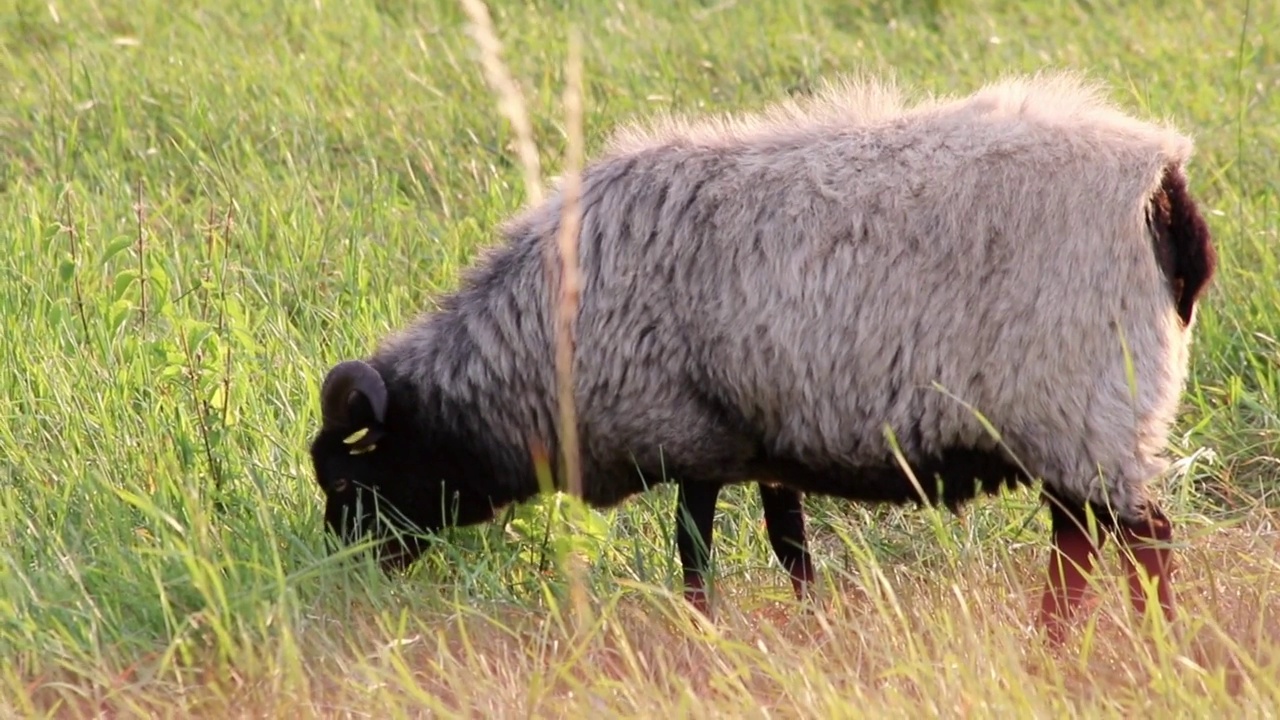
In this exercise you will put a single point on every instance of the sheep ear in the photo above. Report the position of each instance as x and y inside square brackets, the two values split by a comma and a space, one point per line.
[353, 397]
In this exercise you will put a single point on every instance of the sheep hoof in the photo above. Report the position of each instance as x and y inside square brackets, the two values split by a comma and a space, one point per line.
[1073, 559]
[695, 593]
[1148, 553]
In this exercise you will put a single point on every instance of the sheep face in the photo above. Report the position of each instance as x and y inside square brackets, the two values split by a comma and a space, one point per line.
[381, 478]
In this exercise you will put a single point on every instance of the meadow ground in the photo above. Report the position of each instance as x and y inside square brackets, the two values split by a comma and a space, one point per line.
[206, 205]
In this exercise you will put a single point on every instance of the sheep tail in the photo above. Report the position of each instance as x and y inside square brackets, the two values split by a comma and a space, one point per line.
[1183, 245]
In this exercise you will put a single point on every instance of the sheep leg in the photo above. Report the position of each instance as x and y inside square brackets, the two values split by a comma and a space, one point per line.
[695, 517]
[784, 519]
[1073, 558]
[1148, 553]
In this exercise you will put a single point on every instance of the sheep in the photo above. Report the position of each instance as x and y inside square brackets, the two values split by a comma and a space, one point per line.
[845, 295]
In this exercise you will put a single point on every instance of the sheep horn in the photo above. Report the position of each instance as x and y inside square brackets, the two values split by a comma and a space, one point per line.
[336, 394]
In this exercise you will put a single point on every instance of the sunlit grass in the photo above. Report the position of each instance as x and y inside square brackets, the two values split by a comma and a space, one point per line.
[208, 206]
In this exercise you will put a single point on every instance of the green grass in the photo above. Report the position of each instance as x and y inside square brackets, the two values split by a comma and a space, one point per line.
[206, 205]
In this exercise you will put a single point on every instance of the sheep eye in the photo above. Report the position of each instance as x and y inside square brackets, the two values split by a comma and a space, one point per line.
[340, 485]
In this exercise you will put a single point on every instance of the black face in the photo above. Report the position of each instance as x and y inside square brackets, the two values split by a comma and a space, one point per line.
[355, 460]
[380, 475]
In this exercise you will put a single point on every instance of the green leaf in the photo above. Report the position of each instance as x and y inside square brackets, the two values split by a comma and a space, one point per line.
[119, 313]
[124, 280]
[245, 340]
[66, 269]
[160, 284]
[114, 247]
[218, 400]
[197, 333]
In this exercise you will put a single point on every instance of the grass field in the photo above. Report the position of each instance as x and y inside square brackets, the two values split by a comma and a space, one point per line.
[205, 205]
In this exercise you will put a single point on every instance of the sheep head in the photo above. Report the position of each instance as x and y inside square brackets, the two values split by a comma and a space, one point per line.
[389, 469]
[353, 460]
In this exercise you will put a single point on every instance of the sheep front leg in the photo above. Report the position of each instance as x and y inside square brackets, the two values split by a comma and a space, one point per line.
[784, 519]
[1073, 559]
[695, 518]
[1148, 552]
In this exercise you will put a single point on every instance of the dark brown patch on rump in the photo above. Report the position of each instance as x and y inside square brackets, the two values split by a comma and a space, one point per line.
[1182, 242]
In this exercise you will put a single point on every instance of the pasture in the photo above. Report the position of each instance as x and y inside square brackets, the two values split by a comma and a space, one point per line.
[205, 205]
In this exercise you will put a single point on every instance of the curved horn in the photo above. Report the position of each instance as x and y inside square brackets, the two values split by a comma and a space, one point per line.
[351, 376]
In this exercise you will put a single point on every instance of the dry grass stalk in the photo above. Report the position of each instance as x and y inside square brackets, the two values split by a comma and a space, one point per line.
[510, 99]
[570, 289]
[570, 280]
[511, 103]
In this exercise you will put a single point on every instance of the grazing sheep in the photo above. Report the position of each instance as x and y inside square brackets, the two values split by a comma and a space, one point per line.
[762, 298]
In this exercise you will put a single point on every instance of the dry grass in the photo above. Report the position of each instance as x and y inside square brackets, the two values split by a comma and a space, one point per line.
[906, 643]
[886, 641]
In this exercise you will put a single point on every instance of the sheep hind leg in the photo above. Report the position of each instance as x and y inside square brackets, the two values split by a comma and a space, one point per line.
[784, 520]
[695, 518]
[1072, 560]
[1145, 551]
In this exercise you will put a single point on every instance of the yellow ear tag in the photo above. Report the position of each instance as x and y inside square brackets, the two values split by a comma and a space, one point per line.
[361, 451]
[355, 437]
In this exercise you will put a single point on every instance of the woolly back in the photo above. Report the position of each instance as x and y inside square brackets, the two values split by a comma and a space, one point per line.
[819, 267]
[1063, 98]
